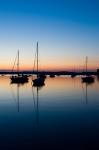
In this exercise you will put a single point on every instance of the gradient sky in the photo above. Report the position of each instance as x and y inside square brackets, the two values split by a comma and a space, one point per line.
[67, 31]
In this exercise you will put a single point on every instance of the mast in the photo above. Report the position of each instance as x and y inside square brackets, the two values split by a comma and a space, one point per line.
[37, 59]
[18, 64]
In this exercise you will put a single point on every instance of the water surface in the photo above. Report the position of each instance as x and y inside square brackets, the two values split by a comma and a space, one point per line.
[63, 114]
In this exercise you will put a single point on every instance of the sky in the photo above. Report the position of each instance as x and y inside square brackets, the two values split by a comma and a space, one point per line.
[67, 31]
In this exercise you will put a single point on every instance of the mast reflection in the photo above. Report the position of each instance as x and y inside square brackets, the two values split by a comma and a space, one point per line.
[86, 90]
[36, 101]
[16, 95]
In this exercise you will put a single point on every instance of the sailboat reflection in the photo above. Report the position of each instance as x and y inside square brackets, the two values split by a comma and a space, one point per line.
[18, 95]
[16, 98]
[36, 104]
[86, 95]
[85, 91]
[35, 93]
[98, 78]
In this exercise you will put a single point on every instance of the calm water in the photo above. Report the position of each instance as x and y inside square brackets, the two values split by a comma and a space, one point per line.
[63, 114]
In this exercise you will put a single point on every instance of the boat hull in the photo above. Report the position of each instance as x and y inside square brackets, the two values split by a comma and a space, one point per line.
[39, 82]
[88, 79]
[19, 79]
[52, 76]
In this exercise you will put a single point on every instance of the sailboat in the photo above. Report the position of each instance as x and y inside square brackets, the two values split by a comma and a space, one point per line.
[88, 78]
[18, 78]
[39, 81]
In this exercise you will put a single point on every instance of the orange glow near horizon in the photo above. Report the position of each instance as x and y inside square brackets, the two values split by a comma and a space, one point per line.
[50, 68]
[54, 65]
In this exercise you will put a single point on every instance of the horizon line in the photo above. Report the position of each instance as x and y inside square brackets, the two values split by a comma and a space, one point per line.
[55, 70]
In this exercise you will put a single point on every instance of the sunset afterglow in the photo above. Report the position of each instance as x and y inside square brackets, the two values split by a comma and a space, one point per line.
[67, 32]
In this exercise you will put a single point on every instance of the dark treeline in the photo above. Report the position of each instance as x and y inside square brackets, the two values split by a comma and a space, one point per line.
[51, 72]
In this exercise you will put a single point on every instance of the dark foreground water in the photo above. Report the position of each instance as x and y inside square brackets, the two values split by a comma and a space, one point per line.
[63, 114]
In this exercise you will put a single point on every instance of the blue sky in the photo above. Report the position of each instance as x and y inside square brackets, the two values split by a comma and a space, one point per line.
[67, 31]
